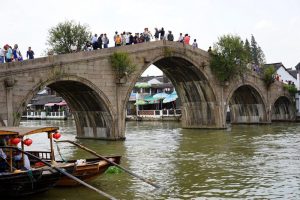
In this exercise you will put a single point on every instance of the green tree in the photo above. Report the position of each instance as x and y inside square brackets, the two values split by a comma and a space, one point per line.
[66, 34]
[268, 75]
[248, 51]
[291, 89]
[258, 56]
[228, 58]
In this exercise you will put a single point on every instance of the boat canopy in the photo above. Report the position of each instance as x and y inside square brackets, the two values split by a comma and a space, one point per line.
[22, 131]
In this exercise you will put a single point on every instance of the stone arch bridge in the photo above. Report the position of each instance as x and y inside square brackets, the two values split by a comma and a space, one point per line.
[98, 100]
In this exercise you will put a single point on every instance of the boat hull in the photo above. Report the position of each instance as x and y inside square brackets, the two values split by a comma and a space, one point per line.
[87, 171]
[27, 182]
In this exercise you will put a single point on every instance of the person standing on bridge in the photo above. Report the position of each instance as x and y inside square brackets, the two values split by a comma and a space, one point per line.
[30, 54]
[156, 34]
[186, 39]
[170, 36]
[17, 53]
[180, 39]
[105, 41]
[9, 53]
[195, 45]
[118, 41]
[2, 54]
[162, 33]
[100, 41]
[95, 42]
[115, 36]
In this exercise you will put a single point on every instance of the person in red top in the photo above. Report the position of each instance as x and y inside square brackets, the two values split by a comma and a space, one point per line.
[186, 39]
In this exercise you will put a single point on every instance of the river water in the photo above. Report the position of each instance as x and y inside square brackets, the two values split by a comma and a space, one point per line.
[242, 162]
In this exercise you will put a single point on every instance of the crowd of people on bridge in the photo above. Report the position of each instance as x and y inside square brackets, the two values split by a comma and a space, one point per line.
[13, 54]
[128, 38]
[9, 54]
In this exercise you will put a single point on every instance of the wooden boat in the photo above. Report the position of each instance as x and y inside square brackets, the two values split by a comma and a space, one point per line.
[87, 170]
[84, 169]
[15, 180]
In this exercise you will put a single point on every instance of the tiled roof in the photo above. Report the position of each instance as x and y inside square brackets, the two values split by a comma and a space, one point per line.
[44, 99]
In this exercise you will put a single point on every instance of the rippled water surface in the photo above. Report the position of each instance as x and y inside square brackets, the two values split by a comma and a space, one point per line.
[242, 162]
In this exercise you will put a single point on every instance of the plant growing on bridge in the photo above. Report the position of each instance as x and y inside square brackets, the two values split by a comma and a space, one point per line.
[268, 75]
[228, 58]
[122, 63]
[66, 34]
[291, 89]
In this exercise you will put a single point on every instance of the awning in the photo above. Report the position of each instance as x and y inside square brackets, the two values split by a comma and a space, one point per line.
[171, 97]
[141, 102]
[142, 85]
[151, 100]
[161, 95]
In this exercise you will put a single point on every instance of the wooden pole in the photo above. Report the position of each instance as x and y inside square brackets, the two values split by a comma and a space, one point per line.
[115, 164]
[66, 174]
[11, 160]
[51, 147]
[22, 146]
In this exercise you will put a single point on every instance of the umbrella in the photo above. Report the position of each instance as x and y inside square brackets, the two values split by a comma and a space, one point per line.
[150, 99]
[170, 98]
[161, 95]
[142, 85]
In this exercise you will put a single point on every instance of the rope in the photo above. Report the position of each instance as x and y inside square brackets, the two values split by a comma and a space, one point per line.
[59, 153]
[32, 179]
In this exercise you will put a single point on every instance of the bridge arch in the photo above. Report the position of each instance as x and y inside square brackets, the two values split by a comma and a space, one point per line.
[92, 110]
[246, 104]
[199, 102]
[283, 109]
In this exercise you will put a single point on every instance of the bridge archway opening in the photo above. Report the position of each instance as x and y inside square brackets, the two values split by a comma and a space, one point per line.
[283, 110]
[246, 106]
[197, 99]
[90, 111]
[91, 114]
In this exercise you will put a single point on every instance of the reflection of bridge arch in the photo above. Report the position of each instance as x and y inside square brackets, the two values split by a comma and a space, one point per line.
[89, 105]
[283, 109]
[247, 104]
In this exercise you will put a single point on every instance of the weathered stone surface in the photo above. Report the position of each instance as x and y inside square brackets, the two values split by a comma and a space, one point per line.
[88, 83]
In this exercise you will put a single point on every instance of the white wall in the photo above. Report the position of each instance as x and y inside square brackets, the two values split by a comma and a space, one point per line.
[285, 76]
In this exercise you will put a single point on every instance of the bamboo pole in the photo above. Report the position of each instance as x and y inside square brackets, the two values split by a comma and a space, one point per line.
[66, 174]
[115, 164]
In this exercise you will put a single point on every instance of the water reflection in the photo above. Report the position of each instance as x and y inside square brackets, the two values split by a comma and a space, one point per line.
[244, 162]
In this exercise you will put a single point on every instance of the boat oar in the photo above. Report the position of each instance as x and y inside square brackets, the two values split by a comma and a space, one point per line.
[67, 174]
[112, 162]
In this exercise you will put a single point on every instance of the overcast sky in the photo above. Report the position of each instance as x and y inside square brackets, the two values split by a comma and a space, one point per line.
[274, 23]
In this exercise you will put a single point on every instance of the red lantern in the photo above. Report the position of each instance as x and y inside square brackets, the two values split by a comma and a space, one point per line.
[27, 142]
[15, 141]
[56, 135]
